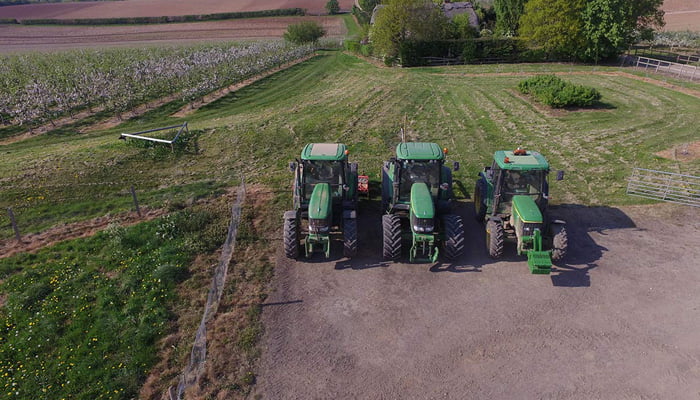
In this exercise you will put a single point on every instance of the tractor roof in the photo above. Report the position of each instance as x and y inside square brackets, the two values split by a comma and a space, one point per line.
[419, 151]
[324, 151]
[530, 160]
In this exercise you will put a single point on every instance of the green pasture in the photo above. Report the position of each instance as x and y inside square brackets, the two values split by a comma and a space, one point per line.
[68, 176]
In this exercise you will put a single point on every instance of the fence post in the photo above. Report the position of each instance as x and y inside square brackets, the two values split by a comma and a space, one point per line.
[14, 224]
[136, 201]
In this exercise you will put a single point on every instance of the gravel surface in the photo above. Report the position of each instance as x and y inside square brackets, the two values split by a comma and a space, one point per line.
[620, 319]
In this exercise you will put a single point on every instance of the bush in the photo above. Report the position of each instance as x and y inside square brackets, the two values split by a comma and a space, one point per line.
[304, 32]
[557, 93]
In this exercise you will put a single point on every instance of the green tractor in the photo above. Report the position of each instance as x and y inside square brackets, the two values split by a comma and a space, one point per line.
[416, 198]
[511, 197]
[325, 201]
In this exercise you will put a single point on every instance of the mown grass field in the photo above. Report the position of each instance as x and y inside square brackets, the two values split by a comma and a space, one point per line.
[473, 110]
[336, 97]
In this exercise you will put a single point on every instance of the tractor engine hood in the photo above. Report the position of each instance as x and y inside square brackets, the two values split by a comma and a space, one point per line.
[422, 209]
[525, 208]
[320, 208]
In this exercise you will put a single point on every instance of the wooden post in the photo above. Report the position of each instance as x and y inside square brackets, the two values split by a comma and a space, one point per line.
[14, 224]
[136, 201]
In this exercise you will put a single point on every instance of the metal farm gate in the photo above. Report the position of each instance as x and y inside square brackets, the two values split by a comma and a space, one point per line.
[665, 186]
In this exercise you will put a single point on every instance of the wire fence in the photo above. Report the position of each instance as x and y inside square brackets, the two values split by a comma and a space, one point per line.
[193, 371]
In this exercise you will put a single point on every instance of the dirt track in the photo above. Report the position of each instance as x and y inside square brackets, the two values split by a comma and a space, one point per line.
[619, 320]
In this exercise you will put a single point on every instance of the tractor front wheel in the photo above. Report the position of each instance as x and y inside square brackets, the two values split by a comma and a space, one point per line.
[454, 236]
[291, 238]
[560, 242]
[495, 237]
[349, 237]
[391, 230]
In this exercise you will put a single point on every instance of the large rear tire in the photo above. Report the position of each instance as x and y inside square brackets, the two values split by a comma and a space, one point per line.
[349, 237]
[391, 230]
[495, 238]
[291, 238]
[454, 236]
[560, 242]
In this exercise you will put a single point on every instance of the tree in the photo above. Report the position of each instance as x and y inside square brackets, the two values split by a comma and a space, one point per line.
[610, 26]
[332, 7]
[368, 5]
[304, 32]
[508, 13]
[401, 20]
[554, 25]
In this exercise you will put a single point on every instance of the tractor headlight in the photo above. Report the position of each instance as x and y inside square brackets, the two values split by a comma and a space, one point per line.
[318, 226]
[529, 229]
[423, 225]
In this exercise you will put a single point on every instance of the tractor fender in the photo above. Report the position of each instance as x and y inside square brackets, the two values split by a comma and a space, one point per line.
[494, 218]
[558, 222]
[290, 214]
[350, 214]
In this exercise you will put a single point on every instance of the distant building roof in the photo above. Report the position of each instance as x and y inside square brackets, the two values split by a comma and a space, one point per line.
[450, 10]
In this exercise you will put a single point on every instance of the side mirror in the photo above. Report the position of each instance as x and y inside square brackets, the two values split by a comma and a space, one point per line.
[455, 166]
[560, 175]
[292, 166]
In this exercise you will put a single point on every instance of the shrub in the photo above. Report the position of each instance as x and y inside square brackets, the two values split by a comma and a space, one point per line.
[304, 32]
[557, 93]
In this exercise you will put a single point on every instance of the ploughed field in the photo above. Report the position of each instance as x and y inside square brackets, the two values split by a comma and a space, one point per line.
[156, 8]
[15, 38]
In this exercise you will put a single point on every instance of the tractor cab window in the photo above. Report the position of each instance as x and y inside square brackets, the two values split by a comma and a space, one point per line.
[522, 183]
[427, 172]
[321, 171]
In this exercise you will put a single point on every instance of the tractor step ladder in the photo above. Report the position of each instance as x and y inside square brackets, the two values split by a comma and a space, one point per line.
[664, 186]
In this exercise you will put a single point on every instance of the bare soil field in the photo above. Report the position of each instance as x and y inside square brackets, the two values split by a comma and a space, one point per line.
[22, 38]
[618, 320]
[156, 8]
[682, 15]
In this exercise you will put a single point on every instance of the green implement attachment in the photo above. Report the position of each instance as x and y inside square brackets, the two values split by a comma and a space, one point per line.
[539, 261]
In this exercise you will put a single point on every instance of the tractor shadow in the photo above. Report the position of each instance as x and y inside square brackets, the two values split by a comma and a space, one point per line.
[369, 236]
[583, 252]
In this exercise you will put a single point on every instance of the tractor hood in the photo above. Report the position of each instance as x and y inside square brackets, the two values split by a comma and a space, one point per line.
[526, 210]
[320, 202]
[422, 201]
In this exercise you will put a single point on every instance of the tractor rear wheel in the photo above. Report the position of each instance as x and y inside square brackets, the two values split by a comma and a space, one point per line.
[479, 204]
[291, 238]
[454, 236]
[391, 230]
[560, 242]
[349, 237]
[495, 238]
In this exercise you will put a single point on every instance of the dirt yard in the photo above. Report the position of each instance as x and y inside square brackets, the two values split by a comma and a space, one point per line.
[620, 319]
[157, 8]
[22, 38]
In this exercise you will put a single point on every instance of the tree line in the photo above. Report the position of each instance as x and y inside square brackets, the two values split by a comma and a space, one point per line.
[583, 30]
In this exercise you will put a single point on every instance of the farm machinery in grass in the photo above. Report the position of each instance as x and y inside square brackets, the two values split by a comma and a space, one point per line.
[416, 196]
[511, 197]
[325, 201]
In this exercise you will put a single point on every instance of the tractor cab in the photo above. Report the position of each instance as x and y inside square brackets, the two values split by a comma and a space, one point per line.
[324, 163]
[518, 173]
